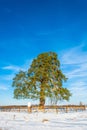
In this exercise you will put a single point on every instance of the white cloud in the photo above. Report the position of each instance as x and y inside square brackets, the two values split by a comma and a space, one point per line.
[79, 92]
[74, 55]
[74, 61]
[11, 67]
[15, 69]
[18, 68]
[74, 66]
[77, 72]
[3, 87]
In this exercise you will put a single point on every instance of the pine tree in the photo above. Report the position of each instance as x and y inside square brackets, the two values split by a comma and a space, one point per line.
[44, 79]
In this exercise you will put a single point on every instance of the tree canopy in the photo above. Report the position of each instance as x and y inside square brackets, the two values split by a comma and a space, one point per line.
[44, 79]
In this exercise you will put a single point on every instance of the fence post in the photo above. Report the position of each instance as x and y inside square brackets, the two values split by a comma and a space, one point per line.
[29, 107]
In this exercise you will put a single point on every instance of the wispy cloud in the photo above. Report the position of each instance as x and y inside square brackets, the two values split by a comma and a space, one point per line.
[74, 65]
[78, 71]
[11, 67]
[3, 87]
[78, 87]
[74, 55]
[75, 60]
[14, 69]
[79, 91]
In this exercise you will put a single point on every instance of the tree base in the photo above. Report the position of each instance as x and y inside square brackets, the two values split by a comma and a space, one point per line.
[41, 108]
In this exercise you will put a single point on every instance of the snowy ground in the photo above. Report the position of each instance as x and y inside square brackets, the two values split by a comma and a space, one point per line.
[43, 121]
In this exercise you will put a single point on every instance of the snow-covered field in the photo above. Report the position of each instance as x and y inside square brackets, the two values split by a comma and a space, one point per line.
[43, 121]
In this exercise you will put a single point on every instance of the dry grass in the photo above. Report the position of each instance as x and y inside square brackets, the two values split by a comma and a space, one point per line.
[45, 120]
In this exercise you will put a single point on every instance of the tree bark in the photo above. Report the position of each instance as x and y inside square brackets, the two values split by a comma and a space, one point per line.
[42, 102]
[42, 98]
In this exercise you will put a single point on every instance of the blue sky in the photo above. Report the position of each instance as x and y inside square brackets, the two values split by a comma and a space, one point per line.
[31, 27]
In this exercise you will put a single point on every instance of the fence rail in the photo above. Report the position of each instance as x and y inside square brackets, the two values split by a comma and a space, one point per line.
[58, 108]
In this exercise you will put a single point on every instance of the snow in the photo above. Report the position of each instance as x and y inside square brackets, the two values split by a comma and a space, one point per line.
[43, 121]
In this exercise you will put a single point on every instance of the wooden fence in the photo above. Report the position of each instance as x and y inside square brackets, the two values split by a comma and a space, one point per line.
[65, 108]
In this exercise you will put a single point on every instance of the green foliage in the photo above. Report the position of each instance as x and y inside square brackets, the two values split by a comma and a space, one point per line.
[44, 79]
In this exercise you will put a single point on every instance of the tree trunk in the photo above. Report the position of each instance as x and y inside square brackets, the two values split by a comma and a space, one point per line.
[42, 99]
[42, 102]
